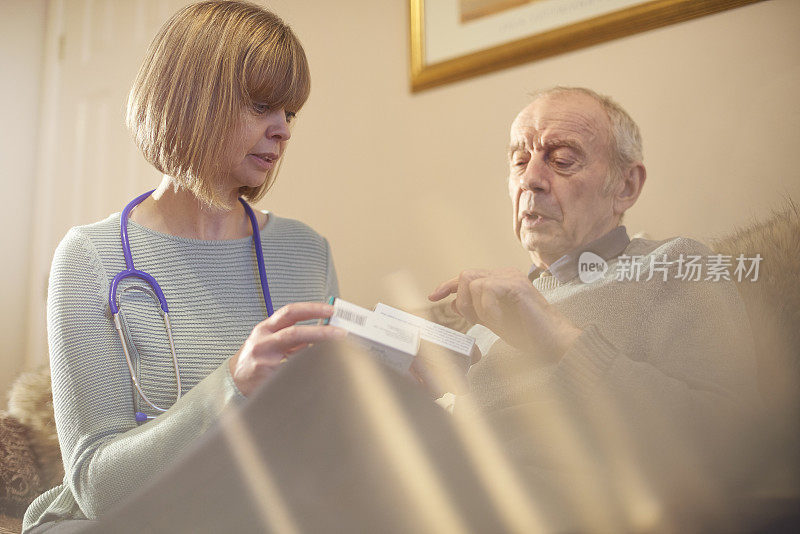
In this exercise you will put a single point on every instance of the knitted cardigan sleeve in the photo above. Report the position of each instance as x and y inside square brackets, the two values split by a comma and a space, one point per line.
[106, 455]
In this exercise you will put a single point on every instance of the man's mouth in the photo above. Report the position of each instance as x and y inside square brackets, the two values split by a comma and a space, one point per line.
[530, 219]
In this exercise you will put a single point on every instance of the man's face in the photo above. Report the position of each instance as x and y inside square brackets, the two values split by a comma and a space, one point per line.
[559, 160]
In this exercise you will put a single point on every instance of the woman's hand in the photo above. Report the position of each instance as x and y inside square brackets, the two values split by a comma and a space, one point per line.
[277, 338]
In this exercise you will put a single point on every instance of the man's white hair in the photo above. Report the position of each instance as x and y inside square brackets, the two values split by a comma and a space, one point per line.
[626, 140]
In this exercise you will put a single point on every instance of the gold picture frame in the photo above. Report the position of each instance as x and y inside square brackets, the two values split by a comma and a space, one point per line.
[577, 33]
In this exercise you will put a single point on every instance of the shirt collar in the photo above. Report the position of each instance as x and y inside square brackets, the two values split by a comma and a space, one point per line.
[565, 268]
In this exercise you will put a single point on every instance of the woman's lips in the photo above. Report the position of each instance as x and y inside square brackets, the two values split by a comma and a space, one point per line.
[262, 161]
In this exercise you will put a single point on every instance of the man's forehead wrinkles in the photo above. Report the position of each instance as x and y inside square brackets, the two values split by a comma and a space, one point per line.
[528, 138]
[570, 123]
[521, 136]
[514, 147]
[543, 124]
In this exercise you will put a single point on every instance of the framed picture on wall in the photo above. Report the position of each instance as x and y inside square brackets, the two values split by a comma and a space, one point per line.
[456, 39]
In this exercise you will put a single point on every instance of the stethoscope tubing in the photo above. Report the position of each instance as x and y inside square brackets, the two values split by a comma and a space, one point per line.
[130, 271]
[262, 273]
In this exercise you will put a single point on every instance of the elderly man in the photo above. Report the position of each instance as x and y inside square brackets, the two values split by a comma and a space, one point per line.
[639, 382]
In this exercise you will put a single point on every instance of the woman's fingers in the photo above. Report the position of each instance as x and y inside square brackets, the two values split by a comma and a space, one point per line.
[263, 351]
[290, 339]
[296, 312]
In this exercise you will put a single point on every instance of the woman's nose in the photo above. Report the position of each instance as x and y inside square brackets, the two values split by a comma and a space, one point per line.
[279, 127]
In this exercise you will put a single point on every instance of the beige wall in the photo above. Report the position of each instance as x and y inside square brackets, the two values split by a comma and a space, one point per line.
[416, 183]
[22, 25]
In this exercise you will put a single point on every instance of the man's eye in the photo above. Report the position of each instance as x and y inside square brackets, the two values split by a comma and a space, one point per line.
[562, 164]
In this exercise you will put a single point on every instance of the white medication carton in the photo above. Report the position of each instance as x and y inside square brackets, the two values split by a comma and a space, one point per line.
[393, 342]
[396, 337]
[459, 349]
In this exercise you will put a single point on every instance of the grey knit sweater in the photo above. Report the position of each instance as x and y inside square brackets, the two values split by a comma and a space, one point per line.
[660, 386]
[680, 337]
[214, 296]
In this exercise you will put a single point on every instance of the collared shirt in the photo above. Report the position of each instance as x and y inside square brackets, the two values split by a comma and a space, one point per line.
[565, 268]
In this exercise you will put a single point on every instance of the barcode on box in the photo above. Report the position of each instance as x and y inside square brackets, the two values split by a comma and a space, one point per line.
[350, 316]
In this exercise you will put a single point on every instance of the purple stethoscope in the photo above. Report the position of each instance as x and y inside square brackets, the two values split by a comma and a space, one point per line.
[130, 271]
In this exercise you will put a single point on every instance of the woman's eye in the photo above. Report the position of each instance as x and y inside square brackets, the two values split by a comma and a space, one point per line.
[260, 107]
[290, 115]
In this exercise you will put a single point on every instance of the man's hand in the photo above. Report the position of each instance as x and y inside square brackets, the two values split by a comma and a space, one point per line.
[506, 302]
[439, 370]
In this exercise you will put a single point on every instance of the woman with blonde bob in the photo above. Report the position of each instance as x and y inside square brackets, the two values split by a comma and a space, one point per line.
[211, 109]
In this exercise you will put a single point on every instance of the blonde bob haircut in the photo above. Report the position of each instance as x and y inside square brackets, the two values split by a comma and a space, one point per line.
[208, 64]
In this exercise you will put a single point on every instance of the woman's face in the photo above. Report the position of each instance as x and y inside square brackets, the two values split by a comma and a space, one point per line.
[262, 136]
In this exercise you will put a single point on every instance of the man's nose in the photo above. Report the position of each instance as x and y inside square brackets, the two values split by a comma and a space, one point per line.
[536, 177]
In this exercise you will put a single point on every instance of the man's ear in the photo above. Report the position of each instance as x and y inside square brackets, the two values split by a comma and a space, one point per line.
[629, 187]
